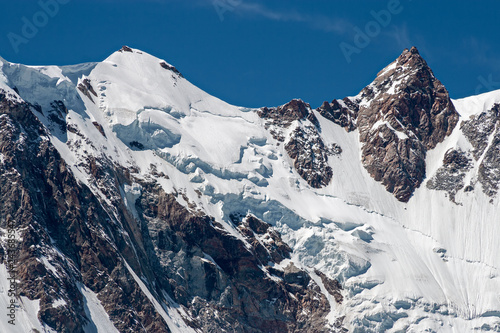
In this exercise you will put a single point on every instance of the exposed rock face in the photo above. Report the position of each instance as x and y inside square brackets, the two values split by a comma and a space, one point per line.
[422, 106]
[402, 114]
[399, 164]
[407, 111]
[342, 112]
[266, 241]
[170, 68]
[489, 170]
[310, 156]
[86, 88]
[479, 128]
[304, 145]
[450, 176]
[283, 116]
[125, 48]
[223, 283]
[332, 286]
[483, 132]
[99, 128]
[47, 205]
[57, 115]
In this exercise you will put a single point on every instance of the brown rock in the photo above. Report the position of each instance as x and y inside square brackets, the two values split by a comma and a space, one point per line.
[407, 111]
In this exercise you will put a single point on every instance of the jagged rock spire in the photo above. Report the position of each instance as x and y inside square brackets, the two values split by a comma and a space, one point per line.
[403, 113]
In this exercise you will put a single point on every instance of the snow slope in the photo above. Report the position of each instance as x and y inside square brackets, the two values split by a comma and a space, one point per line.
[428, 264]
[26, 314]
[99, 319]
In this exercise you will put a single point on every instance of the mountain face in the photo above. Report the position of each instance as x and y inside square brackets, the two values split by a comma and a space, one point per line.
[402, 114]
[136, 202]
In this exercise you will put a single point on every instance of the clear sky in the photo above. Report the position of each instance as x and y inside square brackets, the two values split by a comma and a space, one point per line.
[264, 53]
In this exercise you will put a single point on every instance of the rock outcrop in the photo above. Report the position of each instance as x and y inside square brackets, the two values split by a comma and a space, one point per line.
[87, 89]
[304, 144]
[342, 112]
[310, 156]
[166, 66]
[450, 176]
[483, 132]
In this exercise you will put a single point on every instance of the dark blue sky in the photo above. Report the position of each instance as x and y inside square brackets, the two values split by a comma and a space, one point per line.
[255, 53]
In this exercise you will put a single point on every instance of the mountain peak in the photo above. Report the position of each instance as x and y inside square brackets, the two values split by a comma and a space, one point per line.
[412, 50]
[406, 108]
[411, 58]
[137, 61]
[125, 48]
[408, 68]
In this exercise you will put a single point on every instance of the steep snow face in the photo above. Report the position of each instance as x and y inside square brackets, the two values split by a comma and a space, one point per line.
[4, 82]
[429, 264]
[161, 109]
[100, 321]
[3, 78]
[472, 105]
[42, 85]
[26, 313]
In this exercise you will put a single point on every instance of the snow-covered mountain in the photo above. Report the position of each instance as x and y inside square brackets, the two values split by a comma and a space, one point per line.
[143, 204]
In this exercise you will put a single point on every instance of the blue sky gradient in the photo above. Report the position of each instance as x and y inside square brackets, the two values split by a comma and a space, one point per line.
[264, 53]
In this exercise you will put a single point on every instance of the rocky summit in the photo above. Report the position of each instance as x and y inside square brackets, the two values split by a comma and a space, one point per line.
[133, 201]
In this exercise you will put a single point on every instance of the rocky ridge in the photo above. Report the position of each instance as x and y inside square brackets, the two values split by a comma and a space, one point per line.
[303, 144]
[483, 132]
[341, 112]
[450, 176]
